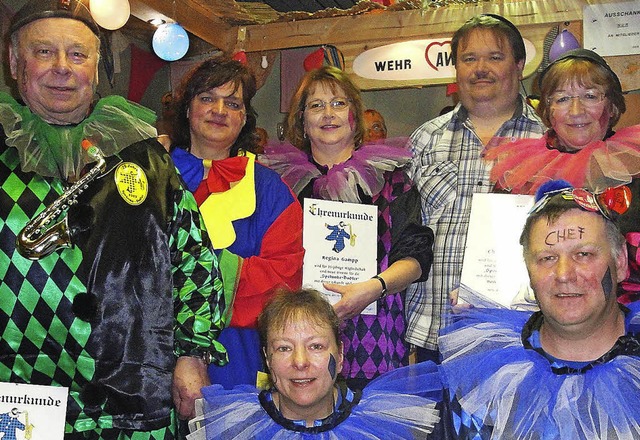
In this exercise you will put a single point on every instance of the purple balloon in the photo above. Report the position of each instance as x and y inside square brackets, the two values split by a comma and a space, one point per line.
[564, 42]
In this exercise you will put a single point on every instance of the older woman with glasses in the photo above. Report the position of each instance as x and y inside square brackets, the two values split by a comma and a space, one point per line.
[581, 100]
[328, 161]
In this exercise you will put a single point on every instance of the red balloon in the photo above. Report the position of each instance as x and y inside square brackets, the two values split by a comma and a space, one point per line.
[240, 56]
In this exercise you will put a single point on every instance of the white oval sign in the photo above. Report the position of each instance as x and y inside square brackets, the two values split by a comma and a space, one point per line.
[413, 60]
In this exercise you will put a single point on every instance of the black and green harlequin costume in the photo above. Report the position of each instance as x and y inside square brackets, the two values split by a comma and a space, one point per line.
[108, 317]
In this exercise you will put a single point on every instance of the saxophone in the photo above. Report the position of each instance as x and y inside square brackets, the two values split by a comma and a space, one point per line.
[35, 241]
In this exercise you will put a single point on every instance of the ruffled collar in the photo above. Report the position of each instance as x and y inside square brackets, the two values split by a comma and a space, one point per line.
[627, 344]
[555, 143]
[364, 170]
[55, 151]
[514, 392]
[521, 166]
[347, 399]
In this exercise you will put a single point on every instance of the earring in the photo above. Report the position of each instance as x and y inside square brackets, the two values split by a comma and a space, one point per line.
[304, 135]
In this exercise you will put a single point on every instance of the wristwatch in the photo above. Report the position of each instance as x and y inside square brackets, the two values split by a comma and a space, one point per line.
[384, 285]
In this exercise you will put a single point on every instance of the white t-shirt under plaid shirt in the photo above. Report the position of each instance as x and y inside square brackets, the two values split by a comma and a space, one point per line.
[447, 168]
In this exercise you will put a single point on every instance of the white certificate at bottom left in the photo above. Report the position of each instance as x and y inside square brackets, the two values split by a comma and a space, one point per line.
[32, 412]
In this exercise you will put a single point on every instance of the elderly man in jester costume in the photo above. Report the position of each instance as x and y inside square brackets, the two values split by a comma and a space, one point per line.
[116, 298]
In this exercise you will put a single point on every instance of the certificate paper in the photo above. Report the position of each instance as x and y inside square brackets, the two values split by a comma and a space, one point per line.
[493, 270]
[340, 242]
[32, 412]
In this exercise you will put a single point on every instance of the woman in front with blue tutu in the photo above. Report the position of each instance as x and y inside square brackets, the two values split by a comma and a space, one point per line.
[306, 399]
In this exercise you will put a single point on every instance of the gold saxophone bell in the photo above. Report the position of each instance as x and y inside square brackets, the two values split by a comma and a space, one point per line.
[35, 241]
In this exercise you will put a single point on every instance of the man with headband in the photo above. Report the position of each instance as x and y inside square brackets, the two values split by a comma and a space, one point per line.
[120, 301]
[448, 165]
[572, 369]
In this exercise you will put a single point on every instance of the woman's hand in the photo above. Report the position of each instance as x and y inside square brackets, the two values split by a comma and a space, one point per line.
[355, 297]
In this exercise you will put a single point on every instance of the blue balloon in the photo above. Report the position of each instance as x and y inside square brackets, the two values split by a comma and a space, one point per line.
[170, 42]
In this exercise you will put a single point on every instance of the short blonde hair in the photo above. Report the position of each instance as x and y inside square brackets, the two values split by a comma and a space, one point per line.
[300, 305]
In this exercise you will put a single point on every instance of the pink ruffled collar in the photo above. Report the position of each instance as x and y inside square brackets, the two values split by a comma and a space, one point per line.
[523, 165]
[365, 169]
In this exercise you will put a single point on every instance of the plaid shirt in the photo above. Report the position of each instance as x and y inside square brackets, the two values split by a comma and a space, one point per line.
[448, 169]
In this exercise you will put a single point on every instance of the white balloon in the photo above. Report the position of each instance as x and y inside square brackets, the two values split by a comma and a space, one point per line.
[110, 14]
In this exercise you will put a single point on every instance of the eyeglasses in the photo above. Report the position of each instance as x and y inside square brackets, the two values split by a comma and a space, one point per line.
[318, 105]
[612, 200]
[587, 99]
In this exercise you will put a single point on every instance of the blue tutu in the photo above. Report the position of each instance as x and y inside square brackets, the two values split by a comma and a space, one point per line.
[397, 405]
[515, 390]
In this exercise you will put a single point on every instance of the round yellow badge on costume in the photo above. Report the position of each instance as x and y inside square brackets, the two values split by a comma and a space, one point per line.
[132, 183]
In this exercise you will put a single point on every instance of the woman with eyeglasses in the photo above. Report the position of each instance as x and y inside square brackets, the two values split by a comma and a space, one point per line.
[328, 161]
[253, 219]
[581, 101]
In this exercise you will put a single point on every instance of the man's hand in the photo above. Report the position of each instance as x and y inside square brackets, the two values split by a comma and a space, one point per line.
[189, 376]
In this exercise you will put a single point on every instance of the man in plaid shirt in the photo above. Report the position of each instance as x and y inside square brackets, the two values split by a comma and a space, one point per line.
[489, 55]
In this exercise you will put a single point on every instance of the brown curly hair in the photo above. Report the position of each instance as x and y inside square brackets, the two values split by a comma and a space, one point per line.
[210, 74]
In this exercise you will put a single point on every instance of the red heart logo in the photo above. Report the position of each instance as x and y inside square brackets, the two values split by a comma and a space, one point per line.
[426, 52]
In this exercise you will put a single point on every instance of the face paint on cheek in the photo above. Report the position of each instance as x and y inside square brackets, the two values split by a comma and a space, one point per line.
[332, 366]
[352, 120]
[607, 284]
